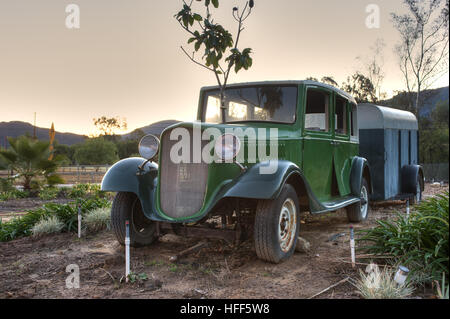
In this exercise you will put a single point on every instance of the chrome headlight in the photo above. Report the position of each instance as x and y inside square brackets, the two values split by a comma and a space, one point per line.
[149, 146]
[227, 147]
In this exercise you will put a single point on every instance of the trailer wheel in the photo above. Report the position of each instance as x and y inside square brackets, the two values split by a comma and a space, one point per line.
[277, 224]
[127, 206]
[358, 212]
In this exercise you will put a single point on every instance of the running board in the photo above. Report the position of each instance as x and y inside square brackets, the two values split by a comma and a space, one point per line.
[337, 204]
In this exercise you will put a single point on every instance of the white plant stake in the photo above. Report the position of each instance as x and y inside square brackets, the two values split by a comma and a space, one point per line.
[352, 246]
[127, 250]
[407, 209]
[79, 221]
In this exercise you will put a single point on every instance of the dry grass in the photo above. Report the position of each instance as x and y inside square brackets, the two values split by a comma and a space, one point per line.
[379, 284]
[97, 219]
[46, 226]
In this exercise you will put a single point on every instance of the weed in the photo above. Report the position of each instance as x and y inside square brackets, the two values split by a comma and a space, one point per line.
[47, 225]
[98, 219]
[380, 285]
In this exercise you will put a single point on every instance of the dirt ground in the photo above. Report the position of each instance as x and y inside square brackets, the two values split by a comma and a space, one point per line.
[36, 268]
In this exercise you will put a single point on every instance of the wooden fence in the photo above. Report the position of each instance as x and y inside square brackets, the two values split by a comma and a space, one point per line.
[75, 174]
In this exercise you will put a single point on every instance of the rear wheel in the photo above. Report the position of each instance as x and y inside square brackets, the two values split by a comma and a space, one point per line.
[277, 224]
[127, 206]
[358, 212]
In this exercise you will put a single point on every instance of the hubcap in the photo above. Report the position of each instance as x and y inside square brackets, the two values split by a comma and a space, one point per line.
[364, 202]
[287, 225]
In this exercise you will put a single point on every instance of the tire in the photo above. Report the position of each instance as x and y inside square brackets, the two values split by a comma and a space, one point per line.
[127, 206]
[358, 212]
[277, 224]
[418, 196]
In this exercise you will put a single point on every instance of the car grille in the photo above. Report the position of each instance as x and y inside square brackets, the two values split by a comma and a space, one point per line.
[182, 186]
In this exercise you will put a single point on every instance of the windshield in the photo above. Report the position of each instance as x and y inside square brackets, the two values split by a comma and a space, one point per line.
[257, 103]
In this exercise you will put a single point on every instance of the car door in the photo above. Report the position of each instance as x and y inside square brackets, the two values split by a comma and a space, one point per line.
[317, 137]
[343, 148]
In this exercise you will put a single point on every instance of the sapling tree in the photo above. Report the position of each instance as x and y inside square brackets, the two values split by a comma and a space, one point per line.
[220, 50]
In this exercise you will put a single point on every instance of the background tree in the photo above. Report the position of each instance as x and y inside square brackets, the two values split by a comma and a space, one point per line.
[108, 126]
[217, 43]
[29, 158]
[360, 87]
[96, 151]
[329, 80]
[423, 49]
[434, 135]
[373, 67]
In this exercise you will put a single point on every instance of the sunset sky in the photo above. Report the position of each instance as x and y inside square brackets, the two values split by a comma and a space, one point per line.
[125, 59]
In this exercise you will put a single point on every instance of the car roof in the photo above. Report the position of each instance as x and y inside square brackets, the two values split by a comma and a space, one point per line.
[287, 82]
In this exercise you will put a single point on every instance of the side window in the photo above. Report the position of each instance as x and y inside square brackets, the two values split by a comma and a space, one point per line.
[340, 116]
[317, 111]
[353, 121]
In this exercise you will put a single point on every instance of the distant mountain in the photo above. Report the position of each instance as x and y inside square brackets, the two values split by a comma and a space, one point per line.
[155, 128]
[429, 100]
[433, 97]
[17, 128]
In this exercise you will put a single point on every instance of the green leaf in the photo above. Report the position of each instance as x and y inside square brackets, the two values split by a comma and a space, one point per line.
[197, 45]
[197, 17]
[215, 3]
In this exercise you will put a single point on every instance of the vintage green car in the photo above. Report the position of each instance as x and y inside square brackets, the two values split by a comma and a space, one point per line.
[247, 166]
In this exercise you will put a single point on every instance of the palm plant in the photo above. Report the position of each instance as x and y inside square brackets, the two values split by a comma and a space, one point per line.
[30, 159]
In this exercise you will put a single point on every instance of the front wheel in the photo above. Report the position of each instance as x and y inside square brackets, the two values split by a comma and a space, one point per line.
[358, 212]
[127, 206]
[277, 224]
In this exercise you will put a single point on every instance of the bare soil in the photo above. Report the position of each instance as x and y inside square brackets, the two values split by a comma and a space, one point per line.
[36, 267]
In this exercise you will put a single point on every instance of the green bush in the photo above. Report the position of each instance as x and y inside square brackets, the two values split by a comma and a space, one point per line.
[49, 193]
[13, 194]
[86, 190]
[6, 185]
[420, 242]
[66, 213]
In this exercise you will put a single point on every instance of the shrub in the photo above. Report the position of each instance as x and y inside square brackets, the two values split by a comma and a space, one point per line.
[47, 225]
[97, 219]
[6, 185]
[380, 285]
[86, 190]
[66, 213]
[420, 242]
[49, 193]
[13, 194]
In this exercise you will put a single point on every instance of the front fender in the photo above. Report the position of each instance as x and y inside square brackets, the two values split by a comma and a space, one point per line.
[360, 168]
[124, 175]
[253, 184]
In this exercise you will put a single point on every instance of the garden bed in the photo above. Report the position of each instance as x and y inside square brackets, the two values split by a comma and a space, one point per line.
[35, 268]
